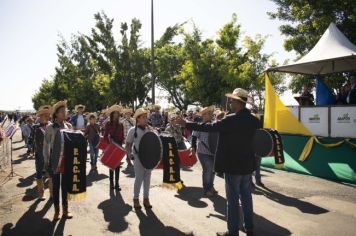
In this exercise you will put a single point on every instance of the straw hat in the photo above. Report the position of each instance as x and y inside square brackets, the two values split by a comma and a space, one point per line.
[157, 107]
[59, 105]
[139, 112]
[239, 94]
[172, 116]
[205, 110]
[79, 106]
[219, 114]
[88, 116]
[45, 109]
[127, 110]
[113, 108]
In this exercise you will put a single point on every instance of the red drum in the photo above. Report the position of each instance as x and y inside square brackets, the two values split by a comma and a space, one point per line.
[187, 158]
[113, 155]
[102, 143]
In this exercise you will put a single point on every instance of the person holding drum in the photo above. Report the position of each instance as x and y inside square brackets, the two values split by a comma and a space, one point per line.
[114, 132]
[92, 133]
[142, 175]
[235, 157]
[201, 146]
[128, 123]
[54, 159]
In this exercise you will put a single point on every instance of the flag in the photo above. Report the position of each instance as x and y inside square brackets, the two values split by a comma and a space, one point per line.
[323, 94]
[279, 117]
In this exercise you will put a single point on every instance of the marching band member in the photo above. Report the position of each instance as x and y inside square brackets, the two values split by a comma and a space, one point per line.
[205, 154]
[128, 123]
[114, 132]
[92, 132]
[142, 175]
[78, 120]
[39, 130]
[54, 159]
[176, 131]
[156, 119]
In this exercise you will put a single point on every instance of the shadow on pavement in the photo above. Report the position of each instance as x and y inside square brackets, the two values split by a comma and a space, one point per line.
[115, 210]
[26, 182]
[32, 222]
[303, 206]
[192, 195]
[129, 172]
[151, 225]
[94, 176]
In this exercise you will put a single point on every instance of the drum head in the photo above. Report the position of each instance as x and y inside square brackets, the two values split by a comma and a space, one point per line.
[263, 143]
[150, 150]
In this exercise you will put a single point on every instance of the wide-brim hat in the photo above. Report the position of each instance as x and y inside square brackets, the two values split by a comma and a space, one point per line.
[140, 112]
[239, 94]
[45, 109]
[59, 105]
[79, 106]
[172, 116]
[127, 110]
[90, 115]
[209, 109]
[157, 107]
[113, 108]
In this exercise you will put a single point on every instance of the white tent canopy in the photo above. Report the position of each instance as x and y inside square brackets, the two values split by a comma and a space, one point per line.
[332, 54]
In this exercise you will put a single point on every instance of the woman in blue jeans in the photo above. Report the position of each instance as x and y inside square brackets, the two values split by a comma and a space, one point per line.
[92, 131]
[200, 145]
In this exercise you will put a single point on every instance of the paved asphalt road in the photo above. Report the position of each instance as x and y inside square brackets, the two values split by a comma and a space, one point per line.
[290, 204]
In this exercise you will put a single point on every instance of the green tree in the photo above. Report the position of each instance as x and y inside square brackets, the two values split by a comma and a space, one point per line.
[306, 21]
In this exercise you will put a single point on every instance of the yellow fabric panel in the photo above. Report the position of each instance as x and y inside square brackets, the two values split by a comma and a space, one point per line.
[279, 117]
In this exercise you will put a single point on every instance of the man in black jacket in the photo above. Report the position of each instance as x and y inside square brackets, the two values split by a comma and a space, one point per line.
[235, 157]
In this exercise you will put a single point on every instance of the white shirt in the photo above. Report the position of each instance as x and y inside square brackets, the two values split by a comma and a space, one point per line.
[135, 141]
[80, 122]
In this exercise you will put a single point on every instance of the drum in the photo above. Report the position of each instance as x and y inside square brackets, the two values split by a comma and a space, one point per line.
[150, 150]
[112, 156]
[187, 158]
[102, 143]
[264, 143]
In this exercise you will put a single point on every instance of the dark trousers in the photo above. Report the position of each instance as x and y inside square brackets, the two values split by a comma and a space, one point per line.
[59, 182]
[117, 173]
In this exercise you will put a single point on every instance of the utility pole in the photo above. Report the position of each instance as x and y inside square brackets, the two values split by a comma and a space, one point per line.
[153, 78]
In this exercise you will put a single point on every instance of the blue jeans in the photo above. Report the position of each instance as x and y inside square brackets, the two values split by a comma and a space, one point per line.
[258, 169]
[39, 163]
[238, 186]
[207, 163]
[93, 154]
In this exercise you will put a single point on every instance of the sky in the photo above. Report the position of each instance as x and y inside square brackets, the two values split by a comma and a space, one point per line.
[30, 29]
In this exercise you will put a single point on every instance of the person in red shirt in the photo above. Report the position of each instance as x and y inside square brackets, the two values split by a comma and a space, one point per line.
[114, 133]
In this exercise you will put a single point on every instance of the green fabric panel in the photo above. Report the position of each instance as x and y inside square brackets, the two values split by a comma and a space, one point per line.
[337, 163]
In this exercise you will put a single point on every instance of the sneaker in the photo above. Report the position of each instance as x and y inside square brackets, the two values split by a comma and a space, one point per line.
[259, 183]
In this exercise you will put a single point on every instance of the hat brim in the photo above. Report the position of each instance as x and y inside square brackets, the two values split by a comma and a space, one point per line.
[79, 106]
[230, 95]
[43, 112]
[209, 109]
[140, 114]
[59, 105]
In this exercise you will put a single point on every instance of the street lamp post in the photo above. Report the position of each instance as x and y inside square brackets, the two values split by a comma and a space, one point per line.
[152, 57]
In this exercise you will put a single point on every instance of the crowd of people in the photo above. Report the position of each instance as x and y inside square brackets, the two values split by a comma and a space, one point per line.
[231, 152]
